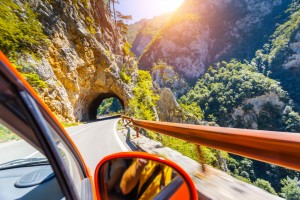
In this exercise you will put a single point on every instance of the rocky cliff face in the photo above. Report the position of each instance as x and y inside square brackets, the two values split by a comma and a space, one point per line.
[170, 111]
[249, 115]
[141, 33]
[292, 62]
[203, 32]
[83, 59]
[166, 77]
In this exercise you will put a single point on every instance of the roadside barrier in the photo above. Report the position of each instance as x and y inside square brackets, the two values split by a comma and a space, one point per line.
[279, 148]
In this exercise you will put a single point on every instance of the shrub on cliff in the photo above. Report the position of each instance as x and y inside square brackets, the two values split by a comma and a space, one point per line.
[20, 30]
[290, 189]
[265, 185]
[143, 102]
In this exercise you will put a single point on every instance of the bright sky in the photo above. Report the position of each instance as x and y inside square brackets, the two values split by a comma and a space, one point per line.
[140, 9]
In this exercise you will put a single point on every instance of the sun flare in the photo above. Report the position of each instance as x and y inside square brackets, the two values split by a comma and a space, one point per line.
[169, 5]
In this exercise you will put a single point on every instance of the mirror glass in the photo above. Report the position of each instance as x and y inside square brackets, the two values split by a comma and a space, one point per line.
[139, 178]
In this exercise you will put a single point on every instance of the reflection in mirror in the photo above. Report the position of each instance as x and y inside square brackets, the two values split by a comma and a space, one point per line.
[139, 178]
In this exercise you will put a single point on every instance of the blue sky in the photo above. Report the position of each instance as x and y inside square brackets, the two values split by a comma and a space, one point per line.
[140, 9]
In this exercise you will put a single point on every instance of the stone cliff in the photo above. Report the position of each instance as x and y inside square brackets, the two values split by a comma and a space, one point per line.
[252, 111]
[292, 62]
[168, 110]
[82, 63]
[141, 33]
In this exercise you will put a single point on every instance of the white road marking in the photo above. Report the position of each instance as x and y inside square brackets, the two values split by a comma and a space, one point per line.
[34, 153]
[82, 130]
[76, 132]
[118, 138]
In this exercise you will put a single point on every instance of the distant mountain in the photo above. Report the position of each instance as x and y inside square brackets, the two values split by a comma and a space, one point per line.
[201, 33]
[142, 32]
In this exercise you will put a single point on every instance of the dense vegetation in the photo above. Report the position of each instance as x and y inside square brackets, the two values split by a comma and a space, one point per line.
[143, 102]
[225, 86]
[272, 59]
[21, 34]
[20, 31]
[110, 106]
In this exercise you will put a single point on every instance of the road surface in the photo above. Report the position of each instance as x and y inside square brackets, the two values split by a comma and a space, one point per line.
[94, 140]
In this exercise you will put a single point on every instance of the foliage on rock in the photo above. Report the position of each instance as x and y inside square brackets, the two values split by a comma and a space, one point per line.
[20, 30]
[165, 76]
[143, 102]
[225, 86]
[279, 58]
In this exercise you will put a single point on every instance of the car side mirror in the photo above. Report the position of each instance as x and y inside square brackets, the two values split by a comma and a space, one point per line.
[136, 175]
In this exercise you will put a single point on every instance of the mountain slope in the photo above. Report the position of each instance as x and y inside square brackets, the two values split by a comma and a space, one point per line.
[203, 32]
[280, 58]
[142, 32]
[235, 94]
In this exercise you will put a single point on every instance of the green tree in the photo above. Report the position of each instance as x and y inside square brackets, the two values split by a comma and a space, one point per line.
[120, 18]
[110, 105]
[194, 109]
[142, 105]
[290, 189]
[265, 185]
[291, 120]
[246, 169]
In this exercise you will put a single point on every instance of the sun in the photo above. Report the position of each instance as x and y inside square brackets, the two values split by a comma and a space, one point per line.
[169, 5]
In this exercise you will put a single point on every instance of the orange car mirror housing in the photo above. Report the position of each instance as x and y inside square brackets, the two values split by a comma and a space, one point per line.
[138, 175]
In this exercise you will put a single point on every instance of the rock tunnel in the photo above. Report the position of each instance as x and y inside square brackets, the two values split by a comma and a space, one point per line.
[92, 110]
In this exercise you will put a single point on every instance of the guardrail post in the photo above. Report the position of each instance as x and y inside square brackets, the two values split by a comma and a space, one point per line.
[137, 131]
[201, 158]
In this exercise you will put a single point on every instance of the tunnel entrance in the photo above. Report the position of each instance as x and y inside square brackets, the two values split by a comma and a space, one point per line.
[105, 104]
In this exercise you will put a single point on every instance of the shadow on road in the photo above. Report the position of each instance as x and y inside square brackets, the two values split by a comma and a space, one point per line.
[128, 142]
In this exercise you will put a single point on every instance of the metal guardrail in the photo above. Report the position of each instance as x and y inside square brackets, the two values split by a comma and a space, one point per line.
[279, 148]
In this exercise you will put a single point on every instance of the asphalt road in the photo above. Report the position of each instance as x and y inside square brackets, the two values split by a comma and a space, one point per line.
[17, 150]
[94, 140]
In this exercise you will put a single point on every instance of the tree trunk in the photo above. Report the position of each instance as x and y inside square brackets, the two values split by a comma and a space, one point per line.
[114, 11]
